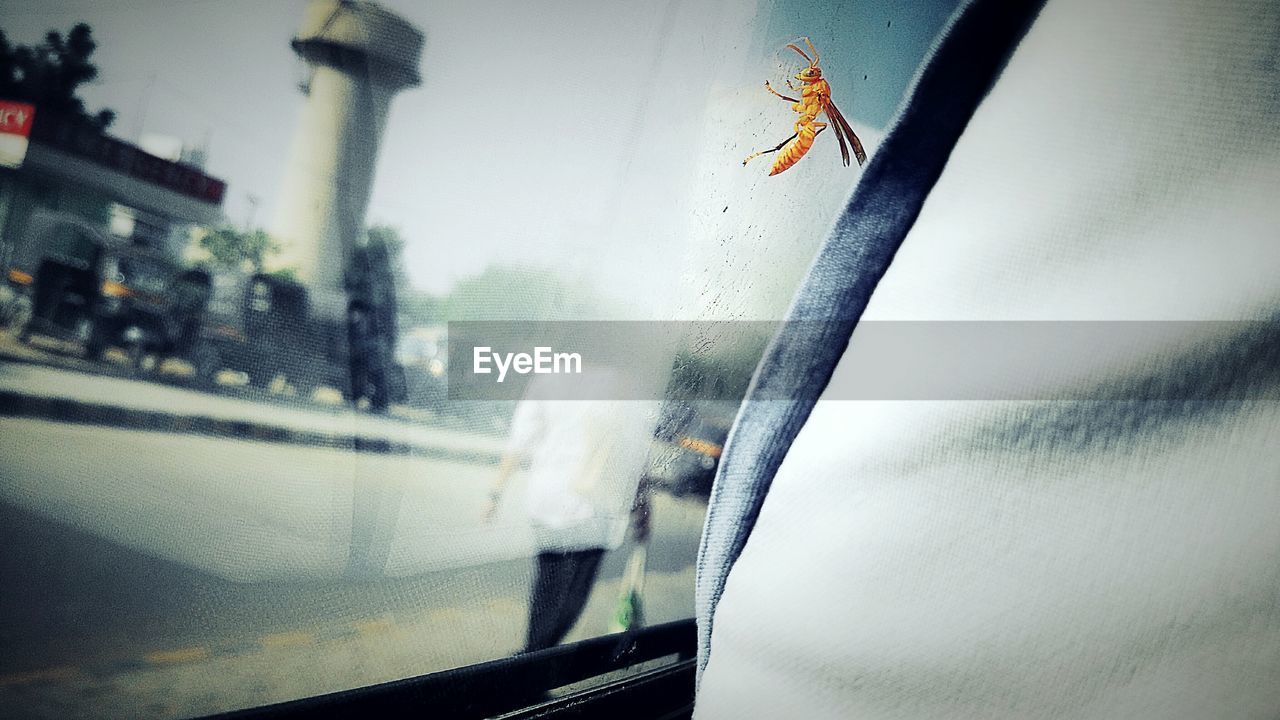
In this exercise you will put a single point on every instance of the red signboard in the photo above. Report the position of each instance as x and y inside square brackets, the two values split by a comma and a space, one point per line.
[15, 127]
[15, 117]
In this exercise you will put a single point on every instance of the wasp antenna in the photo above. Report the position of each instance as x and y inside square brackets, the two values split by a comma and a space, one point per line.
[802, 53]
[809, 42]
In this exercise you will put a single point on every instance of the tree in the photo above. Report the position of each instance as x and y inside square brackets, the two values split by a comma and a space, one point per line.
[499, 292]
[387, 240]
[49, 75]
[418, 307]
[239, 249]
[289, 273]
[414, 306]
[515, 292]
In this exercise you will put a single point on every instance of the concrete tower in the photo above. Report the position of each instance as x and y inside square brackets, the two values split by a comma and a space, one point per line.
[358, 56]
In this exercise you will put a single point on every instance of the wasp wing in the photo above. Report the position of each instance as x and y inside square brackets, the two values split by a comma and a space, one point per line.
[842, 130]
[844, 148]
[831, 111]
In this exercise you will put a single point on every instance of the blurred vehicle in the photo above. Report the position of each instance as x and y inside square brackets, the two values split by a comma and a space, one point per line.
[58, 275]
[269, 326]
[686, 450]
[265, 326]
[77, 284]
[423, 358]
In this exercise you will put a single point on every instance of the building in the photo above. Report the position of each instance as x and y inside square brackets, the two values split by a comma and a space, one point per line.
[76, 172]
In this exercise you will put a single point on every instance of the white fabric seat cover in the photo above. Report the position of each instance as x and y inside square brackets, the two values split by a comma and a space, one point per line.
[1006, 559]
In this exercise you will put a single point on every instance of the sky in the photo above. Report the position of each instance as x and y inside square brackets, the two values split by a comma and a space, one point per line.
[601, 138]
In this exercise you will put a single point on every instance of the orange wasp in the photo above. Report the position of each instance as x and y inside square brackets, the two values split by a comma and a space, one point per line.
[815, 97]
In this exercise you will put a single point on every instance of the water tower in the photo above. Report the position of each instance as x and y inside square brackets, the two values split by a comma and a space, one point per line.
[358, 56]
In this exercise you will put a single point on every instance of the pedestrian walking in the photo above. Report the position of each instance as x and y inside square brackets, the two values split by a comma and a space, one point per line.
[582, 461]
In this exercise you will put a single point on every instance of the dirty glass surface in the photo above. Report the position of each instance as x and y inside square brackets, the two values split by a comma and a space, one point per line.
[261, 481]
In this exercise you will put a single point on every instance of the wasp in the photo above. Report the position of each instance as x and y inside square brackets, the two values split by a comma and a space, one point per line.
[815, 98]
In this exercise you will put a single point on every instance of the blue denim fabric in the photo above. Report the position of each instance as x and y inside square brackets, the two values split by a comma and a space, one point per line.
[800, 359]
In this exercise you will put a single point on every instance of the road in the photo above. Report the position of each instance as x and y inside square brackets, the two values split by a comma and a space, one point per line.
[161, 573]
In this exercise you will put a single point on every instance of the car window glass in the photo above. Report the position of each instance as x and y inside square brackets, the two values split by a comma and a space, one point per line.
[265, 452]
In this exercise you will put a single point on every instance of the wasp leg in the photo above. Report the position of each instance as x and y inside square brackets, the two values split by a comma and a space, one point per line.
[755, 155]
[769, 87]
